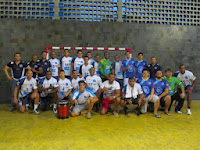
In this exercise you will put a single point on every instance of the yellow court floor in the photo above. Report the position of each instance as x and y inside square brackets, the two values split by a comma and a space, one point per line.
[45, 132]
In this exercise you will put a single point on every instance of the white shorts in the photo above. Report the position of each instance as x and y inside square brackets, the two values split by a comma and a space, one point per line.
[154, 98]
[78, 108]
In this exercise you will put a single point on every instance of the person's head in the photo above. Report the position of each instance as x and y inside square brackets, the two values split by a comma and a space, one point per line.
[89, 54]
[153, 60]
[80, 53]
[34, 58]
[140, 56]
[62, 74]
[44, 55]
[111, 78]
[159, 74]
[168, 73]
[29, 74]
[48, 75]
[182, 68]
[127, 54]
[97, 58]
[17, 56]
[145, 73]
[131, 81]
[92, 71]
[66, 52]
[117, 58]
[81, 86]
[53, 55]
[86, 59]
[75, 74]
[106, 55]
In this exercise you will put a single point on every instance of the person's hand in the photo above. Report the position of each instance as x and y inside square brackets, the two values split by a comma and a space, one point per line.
[51, 87]
[182, 95]
[15, 100]
[150, 98]
[65, 95]
[128, 67]
[10, 78]
[33, 70]
[105, 89]
[110, 98]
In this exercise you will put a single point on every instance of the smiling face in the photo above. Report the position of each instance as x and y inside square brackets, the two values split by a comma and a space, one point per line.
[29, 74]
[81, 87]
[131, 82]
[168, 74]
[48, 75]
[182, 69]
[145, 74]
[17, 57]
[92, 71]
[53, 55]
[159, 74]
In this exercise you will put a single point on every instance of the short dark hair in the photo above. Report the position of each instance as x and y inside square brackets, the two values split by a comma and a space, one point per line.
[127, 52]
[97, 55]
[17, 54]
[145, 70]
[81, 82]
[86, 57]
[131, 78]
[79, 51]
[181, 65]
[158, 70]
[74, 70]
[62, 71]
[105, 53]
[153, 57]
[140, 53]
[43, 52]
[66, 50]
[89, 52]
[168, 69]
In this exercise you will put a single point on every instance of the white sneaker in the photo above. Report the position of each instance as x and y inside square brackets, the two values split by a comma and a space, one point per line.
[115, 113]
[36, 111]
[189, 112]
[55, 111]
[179, 112]
[89, 115]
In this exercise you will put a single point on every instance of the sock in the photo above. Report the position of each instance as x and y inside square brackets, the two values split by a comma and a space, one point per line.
[35, 106]
[54, 106]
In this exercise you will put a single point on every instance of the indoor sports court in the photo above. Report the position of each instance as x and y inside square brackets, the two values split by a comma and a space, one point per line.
[99, 74]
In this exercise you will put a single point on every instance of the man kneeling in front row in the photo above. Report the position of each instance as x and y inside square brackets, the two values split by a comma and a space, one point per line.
[83, 99]
[27, 87]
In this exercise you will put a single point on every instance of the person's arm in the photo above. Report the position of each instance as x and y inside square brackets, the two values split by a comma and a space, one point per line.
[166, 91]
[101, 68]
[113, 68]
[193, 84]
[54, 90]
[180, 84]
[7, 74]
[124, 68]
[68, 92]
[15, 94]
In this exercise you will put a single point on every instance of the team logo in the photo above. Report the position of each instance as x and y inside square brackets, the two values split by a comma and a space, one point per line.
[31, 85]
[155, 67]
[94, 80]
[81, 61]
[56, 63]
[131, 68]
[70, 60]
[158, 90]
[20, 65]
[149, 83]
[85, 96]
[45, 63]
[162, 83]
[140, 69]
[66, 84]
[146, 89]
[186, 77]
[35, 66]
[172, 83]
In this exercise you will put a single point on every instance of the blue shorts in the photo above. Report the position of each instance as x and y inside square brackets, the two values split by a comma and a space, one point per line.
[24, 100]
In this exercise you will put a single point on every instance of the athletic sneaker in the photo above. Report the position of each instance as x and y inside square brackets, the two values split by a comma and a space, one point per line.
[115, 113]
[157, 116]
[12, 108]
[88, 115]
[138, 111]
[179, 112]
[36, 111]
[55, 111]
[189, 112]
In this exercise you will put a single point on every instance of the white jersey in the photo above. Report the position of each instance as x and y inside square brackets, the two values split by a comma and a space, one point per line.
[111, 88]
[85, 70]
[132, 92]
[77, 63]
[118, 72]
[66, 64]
[96, 67]
[26, 86]
[91, 61]
[82, 97]
[47, 83]
[75, 82]
[187, 78]
[94, 83]
[63, 86]
[55, 63]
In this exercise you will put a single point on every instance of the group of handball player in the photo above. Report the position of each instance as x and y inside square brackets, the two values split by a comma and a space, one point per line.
[93, 84]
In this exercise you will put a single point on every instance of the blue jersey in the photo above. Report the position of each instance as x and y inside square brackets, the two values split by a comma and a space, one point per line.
[160, 86]
[129, 72]
[146, 85]
[17, 70]
[139, 66]
[45, 65]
